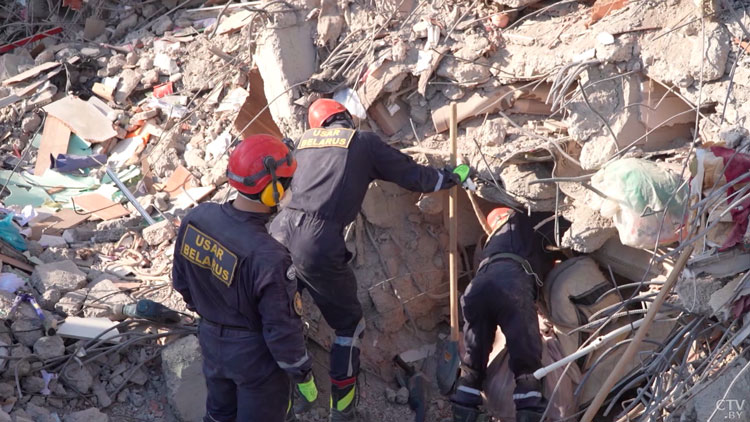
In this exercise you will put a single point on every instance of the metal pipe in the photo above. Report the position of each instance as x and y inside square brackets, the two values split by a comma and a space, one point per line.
[125, 191]
[597, 343]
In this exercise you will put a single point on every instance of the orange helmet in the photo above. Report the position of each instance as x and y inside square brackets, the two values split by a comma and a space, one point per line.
[498, 217]
[321, 110]
[256, 165]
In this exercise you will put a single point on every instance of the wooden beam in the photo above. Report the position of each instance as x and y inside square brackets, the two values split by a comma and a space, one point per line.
[55, 137]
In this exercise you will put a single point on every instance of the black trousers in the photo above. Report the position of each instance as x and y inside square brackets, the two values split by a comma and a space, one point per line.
[321, 259]
[502, 294]
[244, 382]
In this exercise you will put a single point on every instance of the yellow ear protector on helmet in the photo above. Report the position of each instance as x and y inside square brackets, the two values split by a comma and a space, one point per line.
[272, 194]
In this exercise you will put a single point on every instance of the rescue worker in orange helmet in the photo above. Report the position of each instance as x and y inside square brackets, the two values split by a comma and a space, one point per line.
[243, 285]
[503, 293]
[336, 164]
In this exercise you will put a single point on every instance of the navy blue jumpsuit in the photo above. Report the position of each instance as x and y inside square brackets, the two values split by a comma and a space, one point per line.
[241, 282]
[334, 169]
[503, 294]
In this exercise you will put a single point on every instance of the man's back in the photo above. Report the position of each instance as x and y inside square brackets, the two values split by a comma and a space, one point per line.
[217, 255]
[336, 165]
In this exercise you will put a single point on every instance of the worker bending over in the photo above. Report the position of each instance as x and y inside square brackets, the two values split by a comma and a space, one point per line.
[336, 164]
[503, 293]
[241, 282]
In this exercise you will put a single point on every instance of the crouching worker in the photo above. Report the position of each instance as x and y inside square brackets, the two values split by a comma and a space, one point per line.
[503, 293]
[241, 282]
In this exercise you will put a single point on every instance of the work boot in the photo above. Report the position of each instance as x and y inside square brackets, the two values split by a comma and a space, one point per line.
[463, 413]
[301, 405]
[344, 400]
[304, 394]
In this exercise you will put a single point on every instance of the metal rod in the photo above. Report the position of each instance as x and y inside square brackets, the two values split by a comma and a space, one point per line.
[125, 191]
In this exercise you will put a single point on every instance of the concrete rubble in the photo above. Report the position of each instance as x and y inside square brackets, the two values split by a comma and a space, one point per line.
[627, 119]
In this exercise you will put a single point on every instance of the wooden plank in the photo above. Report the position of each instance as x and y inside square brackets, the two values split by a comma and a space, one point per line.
[100, 207]
[180, 180]
[30, 73]
[58, 222]
[16, 263]
[55, 137]
[255, 104]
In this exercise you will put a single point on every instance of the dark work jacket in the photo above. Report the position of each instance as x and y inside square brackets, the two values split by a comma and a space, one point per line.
[331, 181]
[518, 236]
[232, 272]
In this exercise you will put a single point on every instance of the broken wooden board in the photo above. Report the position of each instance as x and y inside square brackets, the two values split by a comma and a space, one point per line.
[82, 118]
[34, 71]
[16, 263]
[32, 87]
[13, 257]
[57, 223]
[55, 137]
[256, 104]
[191, 197]
[100, 207]
[180, 180]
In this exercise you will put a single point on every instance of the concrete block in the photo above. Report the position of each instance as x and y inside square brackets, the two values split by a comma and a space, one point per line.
[91, 414]
[158, 233]
[186, 387]
[63, 276]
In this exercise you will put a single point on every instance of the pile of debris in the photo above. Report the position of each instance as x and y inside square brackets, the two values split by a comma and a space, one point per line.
[627, 118]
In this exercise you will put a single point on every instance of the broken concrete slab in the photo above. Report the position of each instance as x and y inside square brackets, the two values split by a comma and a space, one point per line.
[159, 233]
[49, 347]
[103, 293]
[60, 276]
[130, 79]
[27, 330]
[288, 55]
[72, 302]
[588, 231]
[78, 377]
[186, 387]
[717, 397]
[91, 414]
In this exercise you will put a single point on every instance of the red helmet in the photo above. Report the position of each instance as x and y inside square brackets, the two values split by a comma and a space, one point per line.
[258, 160]
[321, 110]
[498, 217]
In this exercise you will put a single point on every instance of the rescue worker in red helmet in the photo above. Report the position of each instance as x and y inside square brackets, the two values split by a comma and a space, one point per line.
[336, 164]
[241, 282]
[503, 293]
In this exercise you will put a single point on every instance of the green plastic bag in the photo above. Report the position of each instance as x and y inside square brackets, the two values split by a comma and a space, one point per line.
[10, 234]
[640, 194]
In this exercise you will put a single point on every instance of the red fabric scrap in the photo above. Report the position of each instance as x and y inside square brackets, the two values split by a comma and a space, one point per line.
[735, 165]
